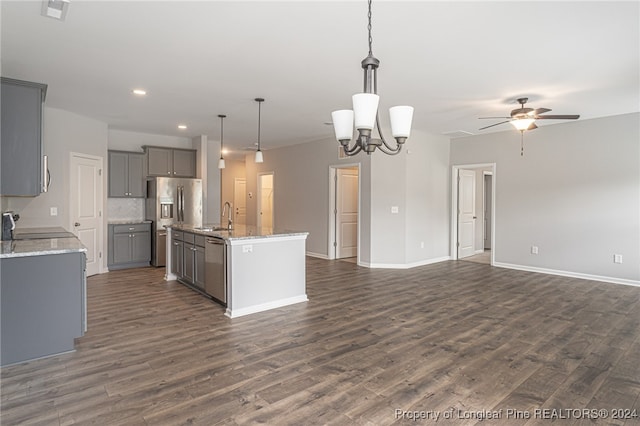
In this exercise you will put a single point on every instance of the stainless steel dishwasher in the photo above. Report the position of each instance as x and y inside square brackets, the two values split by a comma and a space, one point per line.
[215, 277]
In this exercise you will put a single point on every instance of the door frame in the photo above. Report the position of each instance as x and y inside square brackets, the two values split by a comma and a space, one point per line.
[235, 181]
[331, 214]
[259, 196]
[484, 205]
[454, 207]
[100, 200]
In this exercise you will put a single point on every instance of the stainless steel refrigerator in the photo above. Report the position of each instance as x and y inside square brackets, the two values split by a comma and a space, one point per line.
[171, 201]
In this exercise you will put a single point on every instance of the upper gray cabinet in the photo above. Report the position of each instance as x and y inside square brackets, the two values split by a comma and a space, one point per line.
[22, 153]
[170, 162]
[126, 174]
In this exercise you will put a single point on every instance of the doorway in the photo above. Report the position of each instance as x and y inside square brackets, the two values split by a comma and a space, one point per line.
[85, 210]
[265, 199]
[473, 212]
[344, 224]
[240, 201]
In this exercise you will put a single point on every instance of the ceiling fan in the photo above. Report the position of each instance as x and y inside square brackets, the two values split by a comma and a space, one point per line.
[525, 118]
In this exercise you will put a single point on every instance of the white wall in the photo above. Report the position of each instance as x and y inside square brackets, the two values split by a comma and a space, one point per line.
[63, 132]
[575, 194]
[416, 181]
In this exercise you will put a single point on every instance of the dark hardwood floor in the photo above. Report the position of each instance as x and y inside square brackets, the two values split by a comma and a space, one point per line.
[459, 339]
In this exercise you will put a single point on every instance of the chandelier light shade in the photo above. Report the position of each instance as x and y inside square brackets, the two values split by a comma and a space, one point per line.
[259, 158]
[221, 164]
[365, 115]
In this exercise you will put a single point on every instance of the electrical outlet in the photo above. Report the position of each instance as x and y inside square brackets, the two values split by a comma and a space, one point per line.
[534, 249]
[617, 258]
[421, 244]
[248, 248]
[394, 209]
[53, 211]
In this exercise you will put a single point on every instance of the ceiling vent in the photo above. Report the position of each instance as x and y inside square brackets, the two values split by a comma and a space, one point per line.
[56, 9]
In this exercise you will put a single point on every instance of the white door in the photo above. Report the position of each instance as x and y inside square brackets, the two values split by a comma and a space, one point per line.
[240, 201]
[86, 207]
[346, 213]
[466, 212]
[265, 200]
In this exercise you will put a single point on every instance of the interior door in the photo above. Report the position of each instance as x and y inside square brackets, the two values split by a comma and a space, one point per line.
[265, 200]
[346, 213]
[240, 200]
[466, 212]
[86, 207]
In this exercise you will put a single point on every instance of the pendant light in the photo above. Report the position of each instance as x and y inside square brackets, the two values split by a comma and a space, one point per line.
[221, 164]
[259, 158]
[365, 114]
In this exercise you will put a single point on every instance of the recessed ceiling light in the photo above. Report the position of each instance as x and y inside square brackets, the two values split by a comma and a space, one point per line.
[139, 92]
[182, 126]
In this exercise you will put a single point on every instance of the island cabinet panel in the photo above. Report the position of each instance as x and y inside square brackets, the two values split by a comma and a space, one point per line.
[129, 245]
[21, 140]
[43, 305]
[177, 258]
[126, 174]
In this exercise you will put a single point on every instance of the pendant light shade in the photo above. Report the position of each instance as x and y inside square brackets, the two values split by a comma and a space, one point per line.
[221, 164]
[259, 158]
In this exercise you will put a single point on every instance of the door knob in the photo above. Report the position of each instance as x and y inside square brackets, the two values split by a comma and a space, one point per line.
[76, 224]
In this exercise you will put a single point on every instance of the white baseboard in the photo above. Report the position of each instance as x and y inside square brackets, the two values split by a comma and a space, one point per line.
[569, 274]
[235, 313]
[318, 255]
[404, 265]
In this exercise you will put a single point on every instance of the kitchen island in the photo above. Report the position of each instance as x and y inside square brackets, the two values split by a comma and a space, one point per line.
[263, 268]
[43, 296]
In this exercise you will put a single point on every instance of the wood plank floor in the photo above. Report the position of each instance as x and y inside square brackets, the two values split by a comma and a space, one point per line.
[450, 338]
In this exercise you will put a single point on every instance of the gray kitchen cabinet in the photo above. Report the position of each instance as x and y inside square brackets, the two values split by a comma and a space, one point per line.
[22, 160]
[170, 162]
[126, 174]
[43, 305]
[129, 245]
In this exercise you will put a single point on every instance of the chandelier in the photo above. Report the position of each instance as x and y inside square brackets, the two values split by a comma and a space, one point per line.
[365, 114]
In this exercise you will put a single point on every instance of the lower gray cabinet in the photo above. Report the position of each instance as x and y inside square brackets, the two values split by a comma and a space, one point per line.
[190, 249]
[129, 245]
[177, 254]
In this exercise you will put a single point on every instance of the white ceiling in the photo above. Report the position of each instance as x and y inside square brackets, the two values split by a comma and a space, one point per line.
[453, 61]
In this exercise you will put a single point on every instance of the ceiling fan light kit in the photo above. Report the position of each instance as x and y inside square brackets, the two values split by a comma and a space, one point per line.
[365, 115]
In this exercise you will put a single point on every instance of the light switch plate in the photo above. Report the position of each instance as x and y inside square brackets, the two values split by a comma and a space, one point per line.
[394, 209]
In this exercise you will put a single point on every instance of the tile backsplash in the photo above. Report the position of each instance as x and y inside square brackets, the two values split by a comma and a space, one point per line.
[125, 209]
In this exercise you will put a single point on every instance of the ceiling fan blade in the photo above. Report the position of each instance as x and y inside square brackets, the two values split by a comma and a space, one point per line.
[558, 117]
[532, 126]
[540, 111]
[493, 118]
[486, 127]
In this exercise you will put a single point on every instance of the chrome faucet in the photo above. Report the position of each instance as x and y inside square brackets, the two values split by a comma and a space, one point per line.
[224, 208]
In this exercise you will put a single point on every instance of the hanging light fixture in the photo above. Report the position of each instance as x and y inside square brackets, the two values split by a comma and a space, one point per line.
[259, 158]
[365, 114]
[221, 164]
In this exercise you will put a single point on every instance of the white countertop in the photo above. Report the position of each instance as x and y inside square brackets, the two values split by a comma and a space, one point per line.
[22, 248]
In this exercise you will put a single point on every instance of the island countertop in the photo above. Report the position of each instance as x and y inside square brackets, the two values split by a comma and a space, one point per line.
[239, 232]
